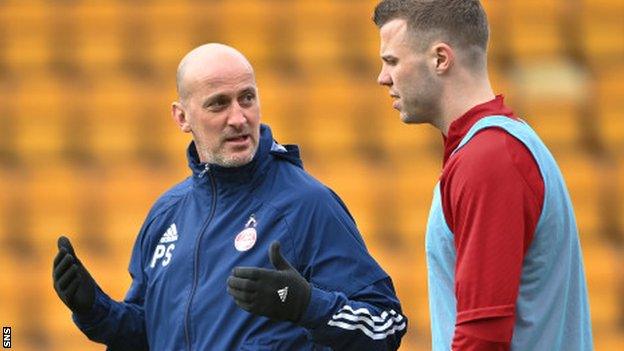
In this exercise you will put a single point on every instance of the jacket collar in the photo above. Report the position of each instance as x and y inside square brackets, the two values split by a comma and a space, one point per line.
[248, 172]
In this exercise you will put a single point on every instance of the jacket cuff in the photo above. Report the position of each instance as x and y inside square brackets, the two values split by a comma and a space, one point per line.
[320, 306]
[99, 311]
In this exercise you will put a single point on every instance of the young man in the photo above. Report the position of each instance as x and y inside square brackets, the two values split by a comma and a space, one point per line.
[503, 255]
[194, 266]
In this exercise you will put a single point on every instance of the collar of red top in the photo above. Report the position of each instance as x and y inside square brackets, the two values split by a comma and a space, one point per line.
[460, 127]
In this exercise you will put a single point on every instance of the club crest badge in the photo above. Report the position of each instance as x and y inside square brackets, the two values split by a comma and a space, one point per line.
[246, 239]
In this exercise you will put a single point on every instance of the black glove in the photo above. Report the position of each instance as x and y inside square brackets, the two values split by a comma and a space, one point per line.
[281, 294]
[73, 284]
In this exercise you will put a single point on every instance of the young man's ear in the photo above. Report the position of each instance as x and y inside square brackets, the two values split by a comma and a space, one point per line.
[179, 116]
[444, 57]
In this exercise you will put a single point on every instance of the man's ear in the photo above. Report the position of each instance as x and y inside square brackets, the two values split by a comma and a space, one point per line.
[180, 117]
[444, 57]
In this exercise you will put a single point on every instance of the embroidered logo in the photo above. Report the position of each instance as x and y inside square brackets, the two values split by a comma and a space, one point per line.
[170, 235]
[283, 292]
[246, 239]
[165, 247]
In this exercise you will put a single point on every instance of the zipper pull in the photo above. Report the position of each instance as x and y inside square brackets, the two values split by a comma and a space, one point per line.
[206, 169]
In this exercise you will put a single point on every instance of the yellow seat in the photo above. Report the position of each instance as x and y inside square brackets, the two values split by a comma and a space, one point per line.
[603, 32]
[534, 28]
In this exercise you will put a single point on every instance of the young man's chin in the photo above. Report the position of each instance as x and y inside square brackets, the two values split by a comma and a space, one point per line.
[405, 118]
[413, 118]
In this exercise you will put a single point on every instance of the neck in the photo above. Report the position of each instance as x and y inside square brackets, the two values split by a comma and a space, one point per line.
[459, 98]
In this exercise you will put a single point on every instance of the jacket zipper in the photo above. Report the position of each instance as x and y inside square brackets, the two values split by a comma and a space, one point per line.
[196, 257]
[206, 169]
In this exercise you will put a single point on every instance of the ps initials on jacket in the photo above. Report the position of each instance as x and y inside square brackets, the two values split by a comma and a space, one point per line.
[187, 248]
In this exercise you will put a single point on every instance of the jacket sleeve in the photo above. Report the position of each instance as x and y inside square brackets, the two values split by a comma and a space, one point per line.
[119, 325]
[370, 319]
[353, 305]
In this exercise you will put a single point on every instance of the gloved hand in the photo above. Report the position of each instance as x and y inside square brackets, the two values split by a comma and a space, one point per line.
[281, 294]
[72, 282]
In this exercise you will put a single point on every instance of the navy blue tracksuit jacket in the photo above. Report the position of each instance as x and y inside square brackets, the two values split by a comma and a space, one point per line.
[220, 218]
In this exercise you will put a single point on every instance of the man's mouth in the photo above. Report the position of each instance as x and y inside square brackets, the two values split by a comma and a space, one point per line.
[238, 139]
[396, 102]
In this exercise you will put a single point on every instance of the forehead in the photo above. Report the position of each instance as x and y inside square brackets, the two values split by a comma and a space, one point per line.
[219, 77]
[393, 35]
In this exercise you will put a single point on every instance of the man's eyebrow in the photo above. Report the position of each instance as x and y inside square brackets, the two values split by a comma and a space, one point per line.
[215, 97]
[249, 89]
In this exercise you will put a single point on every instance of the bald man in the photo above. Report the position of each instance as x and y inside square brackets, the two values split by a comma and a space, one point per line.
[248, 253]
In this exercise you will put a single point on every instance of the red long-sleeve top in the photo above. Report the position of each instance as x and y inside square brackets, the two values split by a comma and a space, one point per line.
[492, 196]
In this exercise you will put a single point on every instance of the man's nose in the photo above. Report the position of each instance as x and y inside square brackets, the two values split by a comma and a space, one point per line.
[237, 117]
[384, 78]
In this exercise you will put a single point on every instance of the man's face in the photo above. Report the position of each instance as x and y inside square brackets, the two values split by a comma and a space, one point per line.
[409, 76]
[223, 114]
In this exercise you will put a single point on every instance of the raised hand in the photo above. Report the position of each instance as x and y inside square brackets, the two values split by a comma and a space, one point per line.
[280, 294]
[72, 282]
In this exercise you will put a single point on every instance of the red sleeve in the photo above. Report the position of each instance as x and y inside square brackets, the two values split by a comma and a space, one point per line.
[492, 196]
